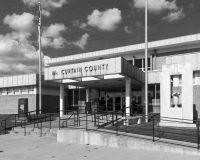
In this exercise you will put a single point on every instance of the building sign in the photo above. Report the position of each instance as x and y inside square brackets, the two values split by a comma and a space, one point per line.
[78, 70]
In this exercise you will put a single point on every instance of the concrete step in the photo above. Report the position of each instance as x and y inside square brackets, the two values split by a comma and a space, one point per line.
[35, 131]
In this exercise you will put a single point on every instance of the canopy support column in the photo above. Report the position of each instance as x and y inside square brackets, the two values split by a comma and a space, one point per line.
[128, 96]
[62, 99]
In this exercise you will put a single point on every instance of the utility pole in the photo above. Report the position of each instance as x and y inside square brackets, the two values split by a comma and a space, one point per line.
[146, 61]
[40, 63]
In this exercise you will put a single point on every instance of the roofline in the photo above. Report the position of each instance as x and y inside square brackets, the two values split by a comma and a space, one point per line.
[180, 42]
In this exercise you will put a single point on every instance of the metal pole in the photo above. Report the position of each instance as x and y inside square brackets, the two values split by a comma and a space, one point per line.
[86, 121]
[59, 120]
[198, 136]
[73, 96]
[121, 99]
[116, 126]
[146, 62]
[153, 129]
[5, 126]
[40, 65]
[15, 120]
[41, 129]
[50, 121]
[94, 118]
[155, 99]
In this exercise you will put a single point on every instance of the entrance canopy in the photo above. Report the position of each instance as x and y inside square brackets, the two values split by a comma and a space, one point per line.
[104, 70]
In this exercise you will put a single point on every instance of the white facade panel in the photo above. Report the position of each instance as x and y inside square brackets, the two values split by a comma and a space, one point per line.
[94, 68]
[5, 81]
[25, 79]
[1, 82]
[10, 81]
[20, 80]
[15, 81]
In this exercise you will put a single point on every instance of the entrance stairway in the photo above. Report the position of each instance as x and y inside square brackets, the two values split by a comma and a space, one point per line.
[49, 128]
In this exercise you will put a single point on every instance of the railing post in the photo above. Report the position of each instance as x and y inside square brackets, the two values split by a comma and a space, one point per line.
[74, 118]
[5, 126]
[50, 120]
[153, 129]
[15, 120]
[94, 118]
[98, 119]
[112, 119]
[24, 128]
[158, 127]
[41, 129]
[77, 117]
[59, 120]
[116, 126]
[34, 120]
[86, 121]
[198, 135]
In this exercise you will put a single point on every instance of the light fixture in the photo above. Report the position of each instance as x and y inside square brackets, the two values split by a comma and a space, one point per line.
[89, 79]
[68, 81]
[112, 76]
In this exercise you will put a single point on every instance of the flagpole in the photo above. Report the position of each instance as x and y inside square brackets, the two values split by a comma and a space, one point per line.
[146, 61]
[40, 64]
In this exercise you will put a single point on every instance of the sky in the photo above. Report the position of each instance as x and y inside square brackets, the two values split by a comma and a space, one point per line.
[80, 26]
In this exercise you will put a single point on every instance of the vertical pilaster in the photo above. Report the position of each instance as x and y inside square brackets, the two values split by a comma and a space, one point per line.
[87, 95]
[151, 62]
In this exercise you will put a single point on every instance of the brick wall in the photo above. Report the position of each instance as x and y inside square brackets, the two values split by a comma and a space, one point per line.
[9, 103]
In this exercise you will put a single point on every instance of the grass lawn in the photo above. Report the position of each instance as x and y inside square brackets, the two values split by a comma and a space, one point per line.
[174, 133]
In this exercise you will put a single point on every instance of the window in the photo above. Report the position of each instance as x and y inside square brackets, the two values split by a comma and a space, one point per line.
[140, 63]
[23, 89]
[3, 91]
[31, 89]
[16, 90]
[196, 77]
[10, 90]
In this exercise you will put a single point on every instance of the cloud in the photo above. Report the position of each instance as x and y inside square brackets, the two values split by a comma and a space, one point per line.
[139, 24]
[127, 30]
[46, 13]
[56, 43]
[174, 16]
[76, 23]
[47, 5]
[24, 22]
[17, 55]
[82, 42]
[106, 20]
[54, 30]
[156, 6]
[51, 36]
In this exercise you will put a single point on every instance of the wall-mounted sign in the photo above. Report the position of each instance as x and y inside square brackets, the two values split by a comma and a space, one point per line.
[78, 70]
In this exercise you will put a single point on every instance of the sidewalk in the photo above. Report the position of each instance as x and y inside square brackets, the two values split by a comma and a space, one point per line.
[19, 147]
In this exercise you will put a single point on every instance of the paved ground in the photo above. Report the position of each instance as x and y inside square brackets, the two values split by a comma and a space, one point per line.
[19, 147]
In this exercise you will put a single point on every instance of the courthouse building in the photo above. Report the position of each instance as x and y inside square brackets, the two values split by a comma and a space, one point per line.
[116, 77]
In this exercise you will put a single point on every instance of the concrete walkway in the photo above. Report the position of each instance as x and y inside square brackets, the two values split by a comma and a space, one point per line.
[19, 147]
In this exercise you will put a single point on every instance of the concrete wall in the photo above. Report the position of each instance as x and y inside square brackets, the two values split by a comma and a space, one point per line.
[111, 140]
